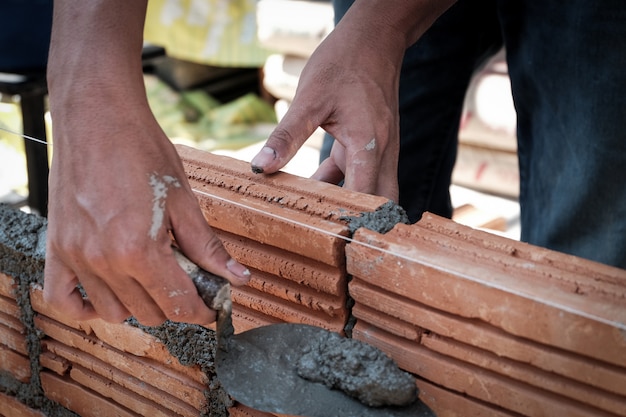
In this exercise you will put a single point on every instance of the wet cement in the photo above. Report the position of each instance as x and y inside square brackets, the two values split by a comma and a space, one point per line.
[22, 256]
[382, 220]
[358, 369]
[194, 345]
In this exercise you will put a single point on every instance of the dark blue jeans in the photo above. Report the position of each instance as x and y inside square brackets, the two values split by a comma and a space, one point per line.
[567, 63]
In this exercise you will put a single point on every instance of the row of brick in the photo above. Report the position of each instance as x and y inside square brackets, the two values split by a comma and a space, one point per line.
[491, 327]
[513, 329]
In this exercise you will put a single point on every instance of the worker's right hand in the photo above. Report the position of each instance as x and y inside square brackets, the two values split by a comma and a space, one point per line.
[118, 192]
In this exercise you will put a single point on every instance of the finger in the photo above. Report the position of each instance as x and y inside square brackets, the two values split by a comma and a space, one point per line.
[328, 171]
[61, 293]
[283, 143]
[201, 245]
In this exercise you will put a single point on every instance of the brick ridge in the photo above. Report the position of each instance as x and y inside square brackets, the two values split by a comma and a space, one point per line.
[490, 338]
[604, 345]
[237, 174]
[479, 238]
[473, 381]
[572, 282]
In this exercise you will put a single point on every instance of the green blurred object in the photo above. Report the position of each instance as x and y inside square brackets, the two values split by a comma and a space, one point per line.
[195, 116]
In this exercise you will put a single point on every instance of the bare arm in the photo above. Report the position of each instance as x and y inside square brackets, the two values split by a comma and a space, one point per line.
[349, 87]
[117, 186]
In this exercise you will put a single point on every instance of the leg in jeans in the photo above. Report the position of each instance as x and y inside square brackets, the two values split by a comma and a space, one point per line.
[435, 75]
[567, 63]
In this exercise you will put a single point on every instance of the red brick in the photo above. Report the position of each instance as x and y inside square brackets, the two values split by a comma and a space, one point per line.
[319, 198]
[390, 306]
[15, 364]
[55, 363]
[117, 394]
[302, 234]
[40, 306]
[593, 271]
[449, 280]
[12, 322]
[12, 407]
[79, 399]
[445, 403]
[292, 213]
[7, 286]
[318, 302]
[128, 382]
[473, 381]
[13, 340]
[545, 381]
[285, 311]
[121, 336]
[8, 306]
[147, 370]
[288, 266]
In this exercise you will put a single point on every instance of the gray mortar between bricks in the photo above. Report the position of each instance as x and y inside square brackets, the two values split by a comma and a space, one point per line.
[22, 256]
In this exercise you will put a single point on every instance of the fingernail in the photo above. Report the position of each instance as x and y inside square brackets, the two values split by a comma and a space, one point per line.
[262, 159]
[238, 269]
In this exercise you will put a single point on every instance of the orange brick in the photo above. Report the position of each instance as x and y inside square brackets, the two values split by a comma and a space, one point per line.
[7, 286]
[318, 302]
[147, 370]
[288, 266]
[12, 407]
[8, 306]
[79, 399]
[13, 340]
[40, 306]
[121, 336]
[448, 280]
[545, 381]
[473, 381]
[476, 333]
[12, 322]
[54, 363]
[15, 364]
[123, 380]
[445, 403]
[583, 268]
[303, 234]
[282, 310]
[319, 198]
[119, 395]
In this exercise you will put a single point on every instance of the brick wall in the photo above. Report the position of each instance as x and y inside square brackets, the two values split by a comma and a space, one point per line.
[490, 326]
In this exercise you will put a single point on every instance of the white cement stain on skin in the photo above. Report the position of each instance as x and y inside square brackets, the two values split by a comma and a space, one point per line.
[160, 186]
[371, 145]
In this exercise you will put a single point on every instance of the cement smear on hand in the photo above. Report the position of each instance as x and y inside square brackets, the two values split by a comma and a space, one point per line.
[359, 370]
[382, 220]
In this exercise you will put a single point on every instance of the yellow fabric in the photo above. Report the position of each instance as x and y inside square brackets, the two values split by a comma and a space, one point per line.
[213, 32]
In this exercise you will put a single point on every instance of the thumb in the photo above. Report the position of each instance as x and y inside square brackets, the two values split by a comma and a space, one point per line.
[286, 139]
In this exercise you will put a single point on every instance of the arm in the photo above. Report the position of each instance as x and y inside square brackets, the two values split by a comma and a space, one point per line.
[349, 87]
[117, 186]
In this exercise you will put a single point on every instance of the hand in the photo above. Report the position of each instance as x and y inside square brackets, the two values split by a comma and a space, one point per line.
[118, 192]
[115, 200]
[349, 87]
[346, 90]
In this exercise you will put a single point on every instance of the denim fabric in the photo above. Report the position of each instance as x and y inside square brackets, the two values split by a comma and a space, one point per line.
[567, 63]
[24, 34]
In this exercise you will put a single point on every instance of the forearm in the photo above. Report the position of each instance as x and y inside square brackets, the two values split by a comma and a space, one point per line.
[95, 55]
[393, 23]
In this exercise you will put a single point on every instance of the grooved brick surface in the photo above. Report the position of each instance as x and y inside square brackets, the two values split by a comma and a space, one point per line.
[489, 326]
[492, 320]
[11, 407]
[287, 230]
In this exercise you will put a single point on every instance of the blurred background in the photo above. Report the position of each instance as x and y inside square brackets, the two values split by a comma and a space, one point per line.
[220, 74]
